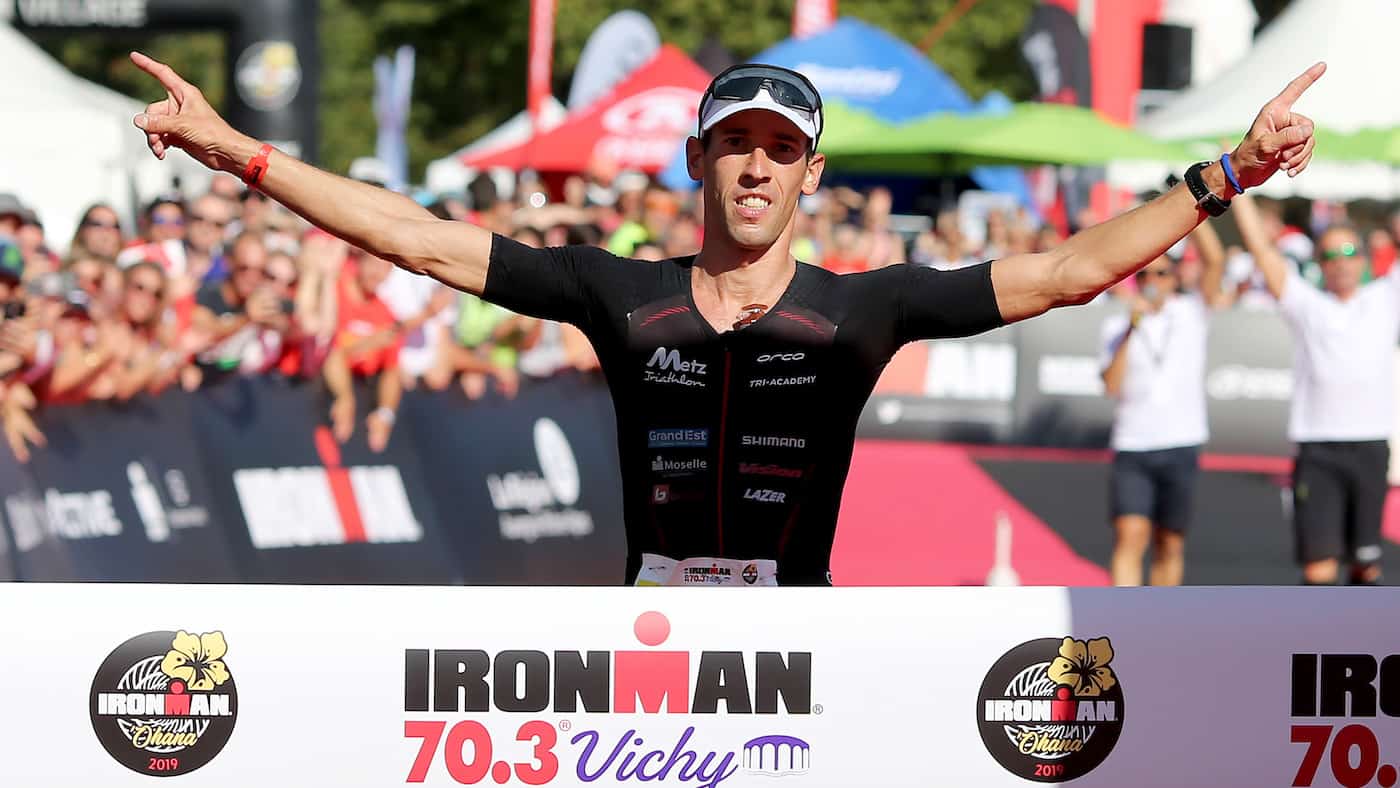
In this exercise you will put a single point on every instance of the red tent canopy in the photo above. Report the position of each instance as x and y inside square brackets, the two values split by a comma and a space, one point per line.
[636, 126]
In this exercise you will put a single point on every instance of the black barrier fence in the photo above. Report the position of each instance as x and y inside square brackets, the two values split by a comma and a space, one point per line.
[1037, 384]
[243, 481]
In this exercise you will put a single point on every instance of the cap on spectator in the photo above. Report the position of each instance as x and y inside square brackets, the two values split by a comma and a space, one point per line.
[28, 217]
[370, 170]
[165, 199]
[631, 181]
[10, 205]
[11, 262]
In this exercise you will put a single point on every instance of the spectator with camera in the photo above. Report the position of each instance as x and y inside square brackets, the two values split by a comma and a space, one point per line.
[243, 318]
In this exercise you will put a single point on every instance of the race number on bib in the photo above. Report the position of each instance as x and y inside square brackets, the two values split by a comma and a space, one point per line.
[658, 570]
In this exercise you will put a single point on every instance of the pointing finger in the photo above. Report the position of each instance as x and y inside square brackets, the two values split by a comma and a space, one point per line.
[1302, 82]
[174, 85]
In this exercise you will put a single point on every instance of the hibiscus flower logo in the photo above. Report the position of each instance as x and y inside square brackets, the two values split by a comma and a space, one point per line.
[1051, 709]
[1083, 667]
[164, 703]
[197, 660]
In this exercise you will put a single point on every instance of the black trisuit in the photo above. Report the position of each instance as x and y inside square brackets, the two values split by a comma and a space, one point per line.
[736, 445]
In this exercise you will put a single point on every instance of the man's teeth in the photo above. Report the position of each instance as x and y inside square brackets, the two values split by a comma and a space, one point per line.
[754, 202]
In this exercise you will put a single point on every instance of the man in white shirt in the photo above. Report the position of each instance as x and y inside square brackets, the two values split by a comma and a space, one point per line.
[1344, 339]
[1154, 364]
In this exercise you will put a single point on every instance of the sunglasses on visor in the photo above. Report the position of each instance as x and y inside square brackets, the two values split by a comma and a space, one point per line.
[787, 87]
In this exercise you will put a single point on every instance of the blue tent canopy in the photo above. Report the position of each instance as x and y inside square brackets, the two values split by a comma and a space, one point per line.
[869, 69]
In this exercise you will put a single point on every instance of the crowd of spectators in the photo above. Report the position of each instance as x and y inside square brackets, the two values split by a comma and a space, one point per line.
[230, 283]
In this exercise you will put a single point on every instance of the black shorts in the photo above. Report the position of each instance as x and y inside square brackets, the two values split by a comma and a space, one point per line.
[1339, 494]
[1159, 485]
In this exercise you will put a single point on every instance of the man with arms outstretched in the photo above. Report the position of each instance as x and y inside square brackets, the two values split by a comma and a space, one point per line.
[737, 374]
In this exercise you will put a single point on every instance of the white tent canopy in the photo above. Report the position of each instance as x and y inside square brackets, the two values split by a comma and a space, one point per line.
[1356, 38]
[1221, 32]
[68, 143]
[448, 174]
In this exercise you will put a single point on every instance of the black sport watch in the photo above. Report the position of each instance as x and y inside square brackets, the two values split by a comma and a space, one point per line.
[1205, 198]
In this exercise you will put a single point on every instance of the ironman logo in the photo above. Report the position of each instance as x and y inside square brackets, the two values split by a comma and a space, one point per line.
[164, 703]
[1050, 710]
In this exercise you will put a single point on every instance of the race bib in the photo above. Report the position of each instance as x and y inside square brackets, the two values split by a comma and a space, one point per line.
[658, 570]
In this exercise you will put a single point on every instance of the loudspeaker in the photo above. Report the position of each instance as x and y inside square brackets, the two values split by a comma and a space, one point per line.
[1166, 57]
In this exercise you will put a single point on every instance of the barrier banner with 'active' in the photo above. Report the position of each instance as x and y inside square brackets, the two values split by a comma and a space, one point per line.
[244, 481]
[119, 493]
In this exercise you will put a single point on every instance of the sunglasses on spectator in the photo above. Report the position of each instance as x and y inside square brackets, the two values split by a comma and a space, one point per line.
[170, 220]
[1160, 273]
[1345, 250]
[154, 290]
[267, 275]
[95, 224]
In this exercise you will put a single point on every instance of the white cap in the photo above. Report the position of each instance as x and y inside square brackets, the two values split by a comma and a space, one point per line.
[370, 169]
[716, 110]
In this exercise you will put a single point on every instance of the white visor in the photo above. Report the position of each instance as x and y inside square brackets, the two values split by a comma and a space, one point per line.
[716, 110]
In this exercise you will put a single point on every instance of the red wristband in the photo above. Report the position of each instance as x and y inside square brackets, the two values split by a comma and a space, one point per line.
[257, 167]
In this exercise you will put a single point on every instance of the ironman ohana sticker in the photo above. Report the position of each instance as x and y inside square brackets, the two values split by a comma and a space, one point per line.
[164, 703]
[1050, 710]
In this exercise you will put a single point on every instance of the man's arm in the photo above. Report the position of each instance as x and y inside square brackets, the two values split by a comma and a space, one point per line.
[216, 327]
[339, 382]
[79, 366]
[1118, 365]
[1267, 257]
[1092, 260]
[1207, 242]
[380, 422]
[383, 223]
[17, 404]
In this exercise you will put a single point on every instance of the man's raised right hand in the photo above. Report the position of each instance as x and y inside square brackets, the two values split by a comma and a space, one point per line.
[185, 120]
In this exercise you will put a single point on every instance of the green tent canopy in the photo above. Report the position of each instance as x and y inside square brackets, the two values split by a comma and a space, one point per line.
[1381, 146]
[1029, 134]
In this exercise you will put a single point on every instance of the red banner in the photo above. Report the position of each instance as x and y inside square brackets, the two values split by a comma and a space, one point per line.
[541, 56]
[810, 17]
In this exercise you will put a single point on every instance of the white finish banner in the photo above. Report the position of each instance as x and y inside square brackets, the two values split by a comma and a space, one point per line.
[116, 685]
